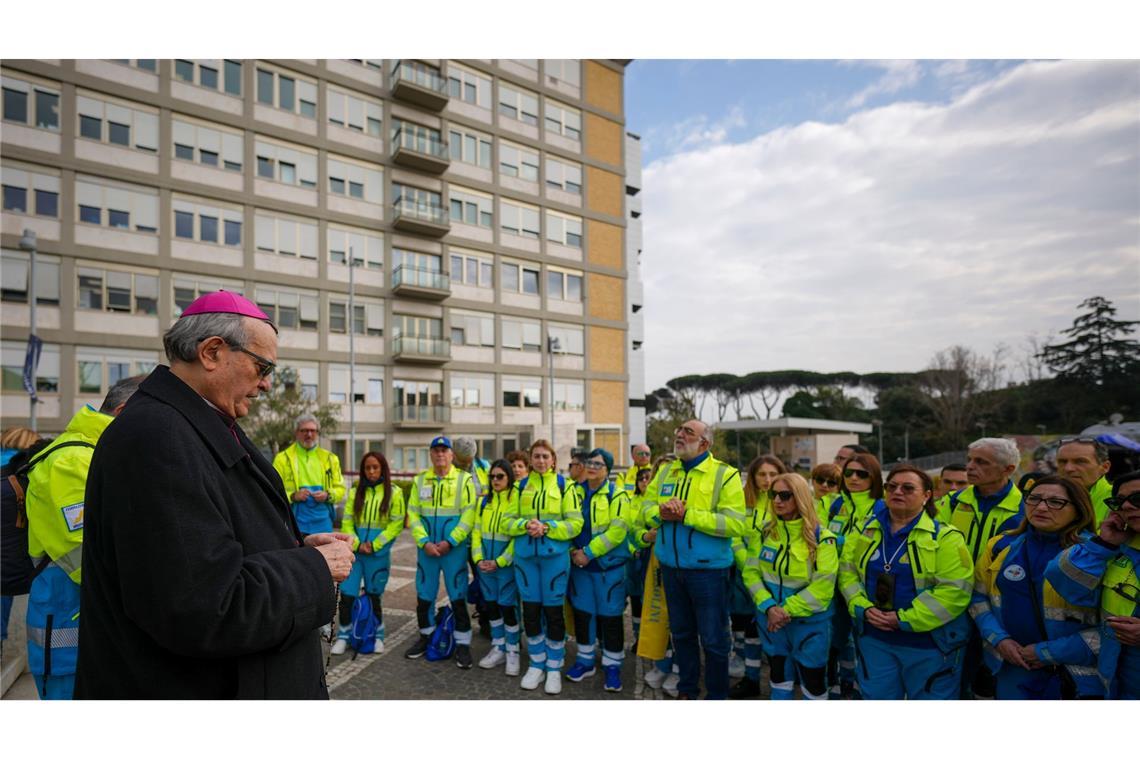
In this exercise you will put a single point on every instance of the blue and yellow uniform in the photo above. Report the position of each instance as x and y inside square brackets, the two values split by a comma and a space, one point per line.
[380, 531]
[781, 571]
[1013, 600]
[1096, 574]
[597, 591]
[933, 580]
[1100, 491]
[745, 630]
[314, 469]
[846, 511]
[491, 541]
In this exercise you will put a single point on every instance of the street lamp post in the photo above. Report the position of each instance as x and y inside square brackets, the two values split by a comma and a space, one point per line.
[351, 320]
[28, 243]
[552, 345]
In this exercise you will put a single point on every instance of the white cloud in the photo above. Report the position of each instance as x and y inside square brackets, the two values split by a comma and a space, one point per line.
[870, 244]
[897, 75]
[693, 133]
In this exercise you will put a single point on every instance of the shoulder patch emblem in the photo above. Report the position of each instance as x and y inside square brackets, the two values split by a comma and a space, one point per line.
[425, 492]
[667, 489]
[768, 554]
[73, 516]
[1014, 573]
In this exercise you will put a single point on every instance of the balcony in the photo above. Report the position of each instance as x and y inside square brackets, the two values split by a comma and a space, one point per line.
[410, 215]
[418, 83]
[417, 150]
[407, 348]
[420, 283]
[421, 417]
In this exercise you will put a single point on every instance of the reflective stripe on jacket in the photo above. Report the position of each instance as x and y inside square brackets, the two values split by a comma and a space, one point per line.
[779, 569]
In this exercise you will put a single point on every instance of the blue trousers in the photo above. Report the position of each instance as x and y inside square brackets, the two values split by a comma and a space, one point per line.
[698, 612]
[893, 672]
[543, 579]
[53, 630]
[805, 640]
[370, 569]
[453, 565]
[1012, 682]
[55, 687]
[600, 593]
[500, 586]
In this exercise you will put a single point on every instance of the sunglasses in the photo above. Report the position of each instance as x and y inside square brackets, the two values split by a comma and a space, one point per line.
[264, 366]
[782, 495]
[906, 488]
[1032, 500]
[1118, 502]
[826, 482]
[849, 473]
[498, 476]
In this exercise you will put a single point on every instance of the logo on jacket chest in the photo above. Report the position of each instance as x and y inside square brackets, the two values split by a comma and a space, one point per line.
[768, 554]
[1014, 573]
[425, 493]
[668, 489]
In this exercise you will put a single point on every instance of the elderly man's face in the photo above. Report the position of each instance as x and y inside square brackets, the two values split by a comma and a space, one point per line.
[441, 457]
[641, 456]
[1077, 461]
[983, 468]
[240, 382]
[307, 434]
[687, 441]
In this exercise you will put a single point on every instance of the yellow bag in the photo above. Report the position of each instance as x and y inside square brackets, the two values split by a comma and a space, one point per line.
[654, 637]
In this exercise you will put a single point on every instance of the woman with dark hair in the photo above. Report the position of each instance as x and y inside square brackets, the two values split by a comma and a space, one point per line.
[745, 633]
[825, 478]
[860, 491]
[520, 464]
[492, 552]
[1101, 573]
[373, 516]
[907, 579]
[1035, 643]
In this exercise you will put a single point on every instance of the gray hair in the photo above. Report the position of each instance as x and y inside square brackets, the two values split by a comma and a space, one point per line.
[707, 435]
[182, 339]
[1005, 451]
[120, 392]
[464, 446]
[303, 419]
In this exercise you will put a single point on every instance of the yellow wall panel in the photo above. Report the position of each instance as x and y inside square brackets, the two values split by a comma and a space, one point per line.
[603, 242]
[603, 87]
[603, 139]
[607, 403]
[604, 295]
[607, 350]
[604, 191]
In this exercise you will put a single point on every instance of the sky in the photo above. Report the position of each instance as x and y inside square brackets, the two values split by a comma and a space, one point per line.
[862, 215]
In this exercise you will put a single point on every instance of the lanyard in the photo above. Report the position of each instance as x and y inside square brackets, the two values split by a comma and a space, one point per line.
[902, 543]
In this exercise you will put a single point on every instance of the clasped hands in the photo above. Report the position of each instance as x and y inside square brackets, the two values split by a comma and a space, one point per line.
[673, 510]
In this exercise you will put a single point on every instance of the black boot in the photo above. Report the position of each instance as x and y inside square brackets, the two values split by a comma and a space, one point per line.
[417, 650]
[463, 656]
[745, 688]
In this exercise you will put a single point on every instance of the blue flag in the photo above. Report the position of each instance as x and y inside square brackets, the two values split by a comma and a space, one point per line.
[31, 362]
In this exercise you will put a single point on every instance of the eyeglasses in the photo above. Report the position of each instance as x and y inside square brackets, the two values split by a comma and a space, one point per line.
[782, 495]
[906, 488]
[307, 431]
[1032, 500]
[264, 366]
[594, 464]
[826, 482]
[686, 431]
[641, 453]
[1117, 502]
[498, 476]
[849, 473]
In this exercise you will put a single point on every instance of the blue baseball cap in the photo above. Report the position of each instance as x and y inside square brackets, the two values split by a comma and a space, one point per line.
[441, 440]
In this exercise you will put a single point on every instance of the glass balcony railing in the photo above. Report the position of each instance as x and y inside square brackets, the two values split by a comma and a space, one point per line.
[408, 208]
[420, 74]
[414, 277]
[419, 142]
[427, 415]
[437, 348]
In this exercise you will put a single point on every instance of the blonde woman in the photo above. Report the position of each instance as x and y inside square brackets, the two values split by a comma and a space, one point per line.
[790, 573]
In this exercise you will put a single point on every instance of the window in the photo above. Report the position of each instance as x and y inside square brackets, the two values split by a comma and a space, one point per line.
[564, 286]
[519, 105]
[468, 269]
[421, 73]
[125, 204]
[288, 309]
[472, 329]
[469, 147]
[367, 247]
[418, 138]
[530, 63]
[285, 235]
[145, 64]
[286, 164]
[207, 223]
[563, 120]
[522, 392]
[564, 69]
[521, 334]
[188, 287]
[367, 319]
[519, 219]
[564, 229]
[31, 104]
[216, 74]
[417, 393]
[124, 125]
[355, 113]
[196, 142]
[12, 362]
[99, 369]
[411, 459]
[518, 161]
[472, 391]
[356, 180]
[564, 175]
[571, 338]
[305, 377]
[418, 202]
[409, 326]
[29, 192]
[14, 276]
[569, 395]
[117, 290]
[368, 388]
[372, 63]
[471, 207]
[284, 91]
[468, 85]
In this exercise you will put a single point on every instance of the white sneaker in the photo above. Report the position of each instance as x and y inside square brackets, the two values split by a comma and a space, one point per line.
[493, 659]
[670, 684]
[554, 682]
[532, 678]
[379, 647]
[339, 646]
[654, 678]
[512, 663]
[735, 666]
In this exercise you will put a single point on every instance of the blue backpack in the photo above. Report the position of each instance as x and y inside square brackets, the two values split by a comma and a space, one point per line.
[442, 643]
[362, 634]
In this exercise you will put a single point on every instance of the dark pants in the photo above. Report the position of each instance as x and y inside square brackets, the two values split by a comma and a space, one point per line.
[698, 607]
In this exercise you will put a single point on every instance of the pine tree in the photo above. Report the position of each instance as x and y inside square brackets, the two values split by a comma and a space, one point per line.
[1098, 347]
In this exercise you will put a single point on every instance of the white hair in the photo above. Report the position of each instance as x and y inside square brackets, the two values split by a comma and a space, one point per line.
[1005, 451]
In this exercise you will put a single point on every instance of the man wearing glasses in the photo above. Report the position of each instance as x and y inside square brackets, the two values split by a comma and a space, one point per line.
[642, 462]
[697, 503]
[1102, 573]
[1085, 460]
[312, 476]
[196, 582]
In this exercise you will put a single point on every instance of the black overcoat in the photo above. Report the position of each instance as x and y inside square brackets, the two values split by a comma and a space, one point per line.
[194, 583]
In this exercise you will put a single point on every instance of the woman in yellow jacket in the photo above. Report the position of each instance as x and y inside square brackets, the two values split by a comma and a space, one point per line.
[374, 517]
[907, 579]
[790, 573]
[492, 551]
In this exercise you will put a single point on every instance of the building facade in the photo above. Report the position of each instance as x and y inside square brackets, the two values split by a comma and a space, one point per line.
[484, 206]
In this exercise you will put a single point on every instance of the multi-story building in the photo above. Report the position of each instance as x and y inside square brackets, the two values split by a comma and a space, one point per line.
[483, 203]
